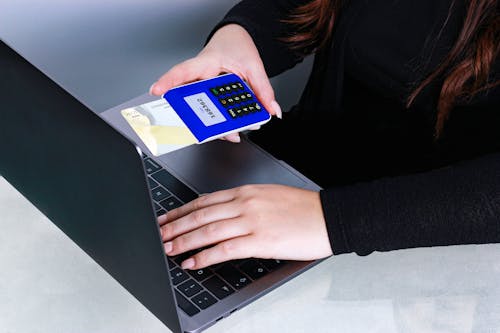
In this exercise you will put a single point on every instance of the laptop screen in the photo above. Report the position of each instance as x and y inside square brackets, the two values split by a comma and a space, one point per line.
[85, 177]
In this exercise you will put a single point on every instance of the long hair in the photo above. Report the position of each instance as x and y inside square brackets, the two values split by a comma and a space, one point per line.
[465, 71]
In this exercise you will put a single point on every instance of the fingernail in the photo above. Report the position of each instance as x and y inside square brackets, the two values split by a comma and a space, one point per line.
[188, 263]
[277, 109]
[168, 247]
[151, 89]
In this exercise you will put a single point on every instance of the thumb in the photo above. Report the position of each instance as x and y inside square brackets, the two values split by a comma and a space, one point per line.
[188, 71]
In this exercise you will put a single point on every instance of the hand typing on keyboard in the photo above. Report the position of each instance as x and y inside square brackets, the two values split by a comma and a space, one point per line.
[261, 221]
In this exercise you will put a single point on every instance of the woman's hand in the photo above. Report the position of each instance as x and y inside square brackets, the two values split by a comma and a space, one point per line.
[230, 50]
[262, 221]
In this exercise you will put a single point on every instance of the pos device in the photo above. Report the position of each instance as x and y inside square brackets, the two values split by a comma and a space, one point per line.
[216, 107]
[196, 113]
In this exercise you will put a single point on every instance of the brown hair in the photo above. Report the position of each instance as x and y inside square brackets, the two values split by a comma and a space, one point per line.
[464, 71]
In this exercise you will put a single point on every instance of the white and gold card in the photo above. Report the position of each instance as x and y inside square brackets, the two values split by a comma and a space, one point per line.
[159, 127]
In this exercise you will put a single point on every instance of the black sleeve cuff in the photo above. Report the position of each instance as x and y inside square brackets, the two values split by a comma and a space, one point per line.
[334, 226]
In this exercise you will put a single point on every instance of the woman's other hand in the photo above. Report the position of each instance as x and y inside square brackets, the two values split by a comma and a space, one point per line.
[230, 50]
[261, 221]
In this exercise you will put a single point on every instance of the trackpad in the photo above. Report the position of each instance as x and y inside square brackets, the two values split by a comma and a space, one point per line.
[221, 164]
[216, 164]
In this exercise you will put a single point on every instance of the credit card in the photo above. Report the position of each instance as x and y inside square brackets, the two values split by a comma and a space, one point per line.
[159, 127]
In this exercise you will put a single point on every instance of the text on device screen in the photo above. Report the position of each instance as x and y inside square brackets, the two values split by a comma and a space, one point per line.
[205, 109]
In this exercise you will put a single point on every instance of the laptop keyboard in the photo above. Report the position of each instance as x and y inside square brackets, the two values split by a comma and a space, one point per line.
[196, 290]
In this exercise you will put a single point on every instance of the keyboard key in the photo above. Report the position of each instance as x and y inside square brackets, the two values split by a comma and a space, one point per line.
[189, 288]
[233, 276]
[178, 275]
[272, 264]
[160, 212]
[253, 269]
[237, 262]
[186, 305]
[174, 185]
[204, 300]
[232, 113]
[238, 112]
[214, 91]
[183, 256]
[201, 274]
[170, 203]
[218, 287]
[151, 166]
[171, 264]
[159, 193]
[152, 182]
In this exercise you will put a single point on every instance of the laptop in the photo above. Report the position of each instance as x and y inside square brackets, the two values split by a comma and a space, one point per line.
[94, 179]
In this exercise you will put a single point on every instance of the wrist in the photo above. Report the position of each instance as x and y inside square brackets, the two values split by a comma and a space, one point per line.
[229, 35]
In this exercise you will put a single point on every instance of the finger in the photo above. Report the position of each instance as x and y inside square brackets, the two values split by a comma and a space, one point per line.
[209, 234]
[198, 203]
[162, 219]
[235, 248]
[264, 91]
[233, 137]
[188, 71]
[198, 219]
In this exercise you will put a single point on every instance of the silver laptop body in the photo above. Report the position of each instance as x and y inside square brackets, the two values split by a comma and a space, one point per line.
[88, 174]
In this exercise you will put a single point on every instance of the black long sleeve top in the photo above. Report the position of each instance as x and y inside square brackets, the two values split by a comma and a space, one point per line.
[391, 185]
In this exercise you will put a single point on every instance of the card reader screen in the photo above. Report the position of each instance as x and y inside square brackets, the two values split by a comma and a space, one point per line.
[205, 109]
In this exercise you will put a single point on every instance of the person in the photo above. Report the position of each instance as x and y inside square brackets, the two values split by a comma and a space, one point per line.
[399, 123]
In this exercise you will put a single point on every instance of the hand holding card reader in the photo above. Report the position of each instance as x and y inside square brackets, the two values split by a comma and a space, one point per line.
[217, 107]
